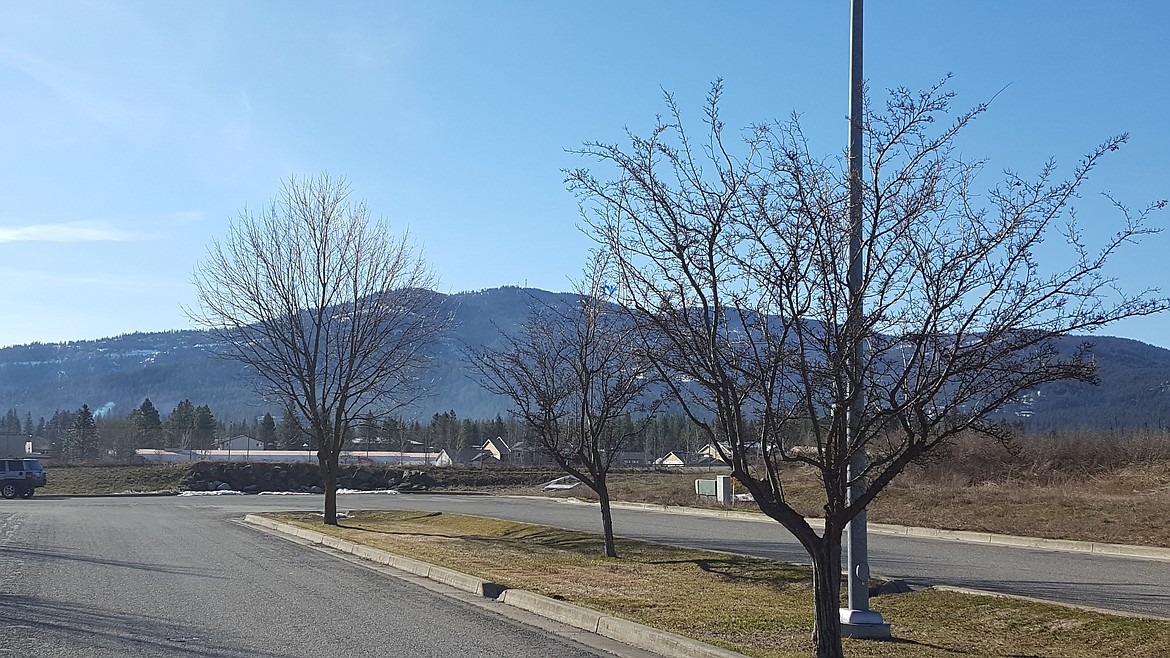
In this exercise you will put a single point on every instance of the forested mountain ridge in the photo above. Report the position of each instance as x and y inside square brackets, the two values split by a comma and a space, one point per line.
[114, 375]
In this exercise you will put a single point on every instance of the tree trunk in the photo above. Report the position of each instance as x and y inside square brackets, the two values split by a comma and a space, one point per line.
[827, 596]
[606, 519]
[329, 475]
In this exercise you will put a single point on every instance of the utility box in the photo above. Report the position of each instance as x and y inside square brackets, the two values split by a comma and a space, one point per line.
[717, 490]
[706, 489]
[723, 489]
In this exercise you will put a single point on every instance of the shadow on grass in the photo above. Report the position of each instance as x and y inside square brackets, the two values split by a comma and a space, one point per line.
[738, 569]
[927, 645]
[950, 650]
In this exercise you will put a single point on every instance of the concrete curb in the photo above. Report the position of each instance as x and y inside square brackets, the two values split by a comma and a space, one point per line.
[1031, 599]
[615, 628]
[1015, 541]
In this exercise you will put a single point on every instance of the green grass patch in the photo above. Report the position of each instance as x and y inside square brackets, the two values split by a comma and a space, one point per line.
[754, 606]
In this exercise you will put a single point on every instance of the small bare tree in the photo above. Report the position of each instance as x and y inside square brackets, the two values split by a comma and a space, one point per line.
[330, 312]
[572, 378]
[735, 266]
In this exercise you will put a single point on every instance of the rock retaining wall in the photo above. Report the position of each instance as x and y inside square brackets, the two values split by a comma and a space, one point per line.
[306, 477]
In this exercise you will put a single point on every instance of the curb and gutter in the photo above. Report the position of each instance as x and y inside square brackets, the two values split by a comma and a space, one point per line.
[615, 628]
[1033, 543]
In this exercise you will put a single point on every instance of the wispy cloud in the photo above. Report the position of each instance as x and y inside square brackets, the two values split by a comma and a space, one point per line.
[55, 280]
[187, 217]
[67, 232]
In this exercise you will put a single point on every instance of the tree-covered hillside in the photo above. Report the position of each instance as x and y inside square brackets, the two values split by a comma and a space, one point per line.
[114, 375]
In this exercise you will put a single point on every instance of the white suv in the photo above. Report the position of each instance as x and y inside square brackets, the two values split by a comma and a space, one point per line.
[21, 477]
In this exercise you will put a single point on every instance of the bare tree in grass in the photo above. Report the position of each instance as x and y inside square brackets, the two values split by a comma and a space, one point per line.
[329, 310]
[573, 375]
[734, 260]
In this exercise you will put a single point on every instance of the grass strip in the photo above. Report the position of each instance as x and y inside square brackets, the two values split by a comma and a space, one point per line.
[754, 606]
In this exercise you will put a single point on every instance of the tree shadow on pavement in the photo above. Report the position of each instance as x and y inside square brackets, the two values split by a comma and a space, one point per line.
[54, 628]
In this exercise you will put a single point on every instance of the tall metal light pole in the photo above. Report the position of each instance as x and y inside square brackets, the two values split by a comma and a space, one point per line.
[857, 620]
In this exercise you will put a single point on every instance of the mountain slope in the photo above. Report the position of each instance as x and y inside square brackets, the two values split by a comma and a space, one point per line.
[116, 374]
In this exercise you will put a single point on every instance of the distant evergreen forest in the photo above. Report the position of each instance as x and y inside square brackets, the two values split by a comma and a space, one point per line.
[79, 435]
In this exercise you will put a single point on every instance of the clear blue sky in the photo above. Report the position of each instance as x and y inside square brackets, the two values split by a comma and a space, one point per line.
[132, 131]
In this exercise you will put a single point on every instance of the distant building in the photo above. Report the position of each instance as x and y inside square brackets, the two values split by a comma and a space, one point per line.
[682, 458]
[473, 457]
[499, 449]
[752, 450]
[240, 443]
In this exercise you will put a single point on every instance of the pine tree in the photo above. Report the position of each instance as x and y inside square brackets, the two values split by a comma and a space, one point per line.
[57, 431]
[12, 422]
[390, 434]
[181, 425]
[81, 441]
[267, 431]
[148, 425]
[203, 435]
[289, 434]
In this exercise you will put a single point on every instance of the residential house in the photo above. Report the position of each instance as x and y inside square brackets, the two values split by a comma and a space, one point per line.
[469, 457]
[753, 450]
[683, 458]
[499, 449]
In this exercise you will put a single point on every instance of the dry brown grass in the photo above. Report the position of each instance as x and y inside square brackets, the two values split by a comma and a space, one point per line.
[117, 478]
[758, 607]
[1128, 504]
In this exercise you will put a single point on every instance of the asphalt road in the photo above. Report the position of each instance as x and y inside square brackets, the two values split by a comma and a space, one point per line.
[178, 577]
[1116, 583]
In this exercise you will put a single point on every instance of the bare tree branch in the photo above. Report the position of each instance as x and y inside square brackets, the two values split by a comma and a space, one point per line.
[572, 379]
[734, 270]
[331, 312]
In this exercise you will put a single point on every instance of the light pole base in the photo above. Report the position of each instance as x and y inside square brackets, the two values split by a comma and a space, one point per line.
[863, 624]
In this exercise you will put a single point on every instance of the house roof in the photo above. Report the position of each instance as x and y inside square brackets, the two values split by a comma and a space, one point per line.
[499, 444]
[468, 455]
[688, 458]
[237, 438]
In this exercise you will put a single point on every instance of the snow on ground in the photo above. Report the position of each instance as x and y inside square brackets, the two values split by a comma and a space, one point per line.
[233, 492]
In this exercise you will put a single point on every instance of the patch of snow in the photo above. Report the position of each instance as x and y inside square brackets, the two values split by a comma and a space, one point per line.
[390, 492]
[226, 492]
[566, 482]
[285, 493]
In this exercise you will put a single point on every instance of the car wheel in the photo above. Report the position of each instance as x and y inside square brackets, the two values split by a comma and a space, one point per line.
[28, 493]
[9, 491]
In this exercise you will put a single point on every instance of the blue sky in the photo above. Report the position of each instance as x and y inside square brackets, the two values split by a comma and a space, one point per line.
[132, 132]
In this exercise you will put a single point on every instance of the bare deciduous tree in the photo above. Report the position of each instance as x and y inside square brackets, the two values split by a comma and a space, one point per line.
[329, 311]
[735, 265]
[572, 378]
